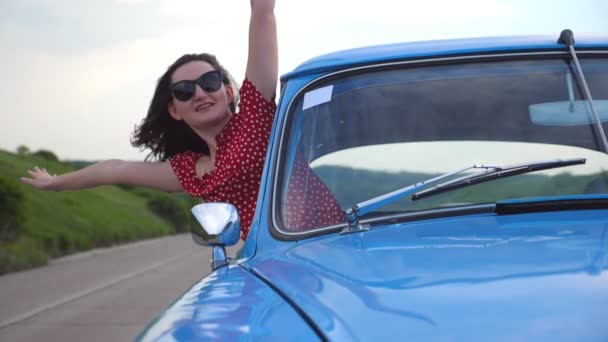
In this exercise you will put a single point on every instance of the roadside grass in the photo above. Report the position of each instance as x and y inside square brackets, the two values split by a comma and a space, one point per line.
[54, 224]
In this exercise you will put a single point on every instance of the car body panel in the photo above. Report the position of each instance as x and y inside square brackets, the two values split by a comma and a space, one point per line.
[438, 48]
[481, 276]
[477, 277]
[226, 305]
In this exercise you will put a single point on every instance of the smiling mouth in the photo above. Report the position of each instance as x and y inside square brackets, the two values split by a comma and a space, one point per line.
[203, 106]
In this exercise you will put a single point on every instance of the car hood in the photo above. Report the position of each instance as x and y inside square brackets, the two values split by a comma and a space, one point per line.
[230, 304]
[478, 277]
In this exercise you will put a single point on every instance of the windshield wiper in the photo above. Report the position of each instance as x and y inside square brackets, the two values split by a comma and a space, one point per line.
[491, 172]
[567, 38]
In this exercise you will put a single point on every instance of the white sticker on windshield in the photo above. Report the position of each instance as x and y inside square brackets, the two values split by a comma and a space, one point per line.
[317, 97]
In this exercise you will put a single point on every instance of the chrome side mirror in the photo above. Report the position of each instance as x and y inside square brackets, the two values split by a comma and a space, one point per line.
[220, 226]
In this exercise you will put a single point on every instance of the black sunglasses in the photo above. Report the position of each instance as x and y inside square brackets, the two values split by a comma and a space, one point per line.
[210, 82]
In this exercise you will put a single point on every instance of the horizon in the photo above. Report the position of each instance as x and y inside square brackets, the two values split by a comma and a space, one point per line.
[82, 74]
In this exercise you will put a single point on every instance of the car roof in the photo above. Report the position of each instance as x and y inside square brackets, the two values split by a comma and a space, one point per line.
[439, 48]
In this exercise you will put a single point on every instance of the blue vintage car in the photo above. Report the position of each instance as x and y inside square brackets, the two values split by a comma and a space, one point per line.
[472, 183]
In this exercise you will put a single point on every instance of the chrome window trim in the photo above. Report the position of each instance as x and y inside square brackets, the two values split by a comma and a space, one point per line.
[419, 61]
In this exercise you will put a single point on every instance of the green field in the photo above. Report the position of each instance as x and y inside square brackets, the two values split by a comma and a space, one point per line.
[39, 225]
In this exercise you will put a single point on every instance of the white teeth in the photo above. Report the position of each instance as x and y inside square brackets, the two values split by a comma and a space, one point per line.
[203, 107]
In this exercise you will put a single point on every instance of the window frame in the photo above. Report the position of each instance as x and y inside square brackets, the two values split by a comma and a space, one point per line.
[286, 122]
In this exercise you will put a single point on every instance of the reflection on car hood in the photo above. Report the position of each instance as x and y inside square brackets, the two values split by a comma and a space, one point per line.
[228, 305]
[530, 275]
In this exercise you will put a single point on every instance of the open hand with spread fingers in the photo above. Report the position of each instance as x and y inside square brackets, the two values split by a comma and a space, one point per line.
[39, 178]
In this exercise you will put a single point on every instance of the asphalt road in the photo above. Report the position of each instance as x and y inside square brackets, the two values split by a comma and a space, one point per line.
[103, 295]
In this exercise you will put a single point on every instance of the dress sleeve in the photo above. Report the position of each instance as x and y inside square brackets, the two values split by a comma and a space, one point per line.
[183, 165]
[253, 103]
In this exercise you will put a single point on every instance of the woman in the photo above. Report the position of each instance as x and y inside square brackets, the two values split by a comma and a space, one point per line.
[201, 145]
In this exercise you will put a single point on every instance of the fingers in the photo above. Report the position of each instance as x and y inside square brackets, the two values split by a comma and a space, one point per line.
[40, 170]
[36, 183]
[37, 171]
[38, 178]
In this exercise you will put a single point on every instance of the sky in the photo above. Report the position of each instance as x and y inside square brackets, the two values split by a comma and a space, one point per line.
[79, 74]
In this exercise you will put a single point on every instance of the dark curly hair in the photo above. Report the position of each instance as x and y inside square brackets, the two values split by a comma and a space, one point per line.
[158, 131]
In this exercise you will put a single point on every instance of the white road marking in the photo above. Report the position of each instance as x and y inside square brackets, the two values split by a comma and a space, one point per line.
[80, 294]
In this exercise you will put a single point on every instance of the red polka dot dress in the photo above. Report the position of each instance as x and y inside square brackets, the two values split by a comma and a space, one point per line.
[239, 160]
[309, 204]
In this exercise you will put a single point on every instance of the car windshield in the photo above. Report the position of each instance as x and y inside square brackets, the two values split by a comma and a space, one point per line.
[362, 134]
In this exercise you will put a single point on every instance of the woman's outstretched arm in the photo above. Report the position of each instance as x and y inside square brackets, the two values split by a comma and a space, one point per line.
[157, 175]
[263, 60]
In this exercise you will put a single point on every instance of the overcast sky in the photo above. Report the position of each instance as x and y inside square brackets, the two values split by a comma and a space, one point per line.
[78, 75]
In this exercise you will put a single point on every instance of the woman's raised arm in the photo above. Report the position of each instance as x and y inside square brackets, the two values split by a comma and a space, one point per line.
[263, 60]
[156, 175]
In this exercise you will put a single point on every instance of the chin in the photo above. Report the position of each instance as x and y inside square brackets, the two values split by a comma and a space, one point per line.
[207, 120]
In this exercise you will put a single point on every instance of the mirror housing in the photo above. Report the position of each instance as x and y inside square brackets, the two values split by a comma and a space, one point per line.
[219, 222]
[220, 226]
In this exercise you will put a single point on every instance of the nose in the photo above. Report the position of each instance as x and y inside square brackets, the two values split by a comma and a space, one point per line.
[199, 92]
